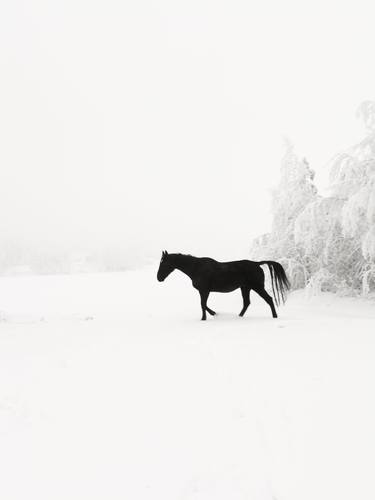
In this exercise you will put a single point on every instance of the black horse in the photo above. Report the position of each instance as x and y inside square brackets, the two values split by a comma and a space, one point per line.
[208, 275]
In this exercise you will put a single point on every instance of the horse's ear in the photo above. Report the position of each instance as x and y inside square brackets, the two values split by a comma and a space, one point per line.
[166, 253]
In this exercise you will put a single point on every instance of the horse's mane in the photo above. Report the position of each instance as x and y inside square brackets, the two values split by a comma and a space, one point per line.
[191, 257]
[183, 255]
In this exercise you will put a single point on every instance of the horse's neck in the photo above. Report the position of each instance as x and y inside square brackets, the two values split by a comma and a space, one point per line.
[186, 264]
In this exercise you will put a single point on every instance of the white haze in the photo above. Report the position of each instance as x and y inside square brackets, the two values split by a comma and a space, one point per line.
[142, 125]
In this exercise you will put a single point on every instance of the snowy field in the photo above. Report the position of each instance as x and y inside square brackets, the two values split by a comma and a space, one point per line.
[112, 388]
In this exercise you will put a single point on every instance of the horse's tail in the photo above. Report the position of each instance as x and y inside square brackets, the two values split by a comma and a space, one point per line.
[279, 280]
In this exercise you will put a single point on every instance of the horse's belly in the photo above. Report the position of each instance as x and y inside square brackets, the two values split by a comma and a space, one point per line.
[224, 288]
[226, 282]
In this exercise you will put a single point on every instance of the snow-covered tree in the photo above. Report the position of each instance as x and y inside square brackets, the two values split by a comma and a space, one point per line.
[296, 189]
[353, 181]
[329, 257]
[327, 243]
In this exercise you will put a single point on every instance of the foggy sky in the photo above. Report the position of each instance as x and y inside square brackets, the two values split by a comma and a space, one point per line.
[160, 124]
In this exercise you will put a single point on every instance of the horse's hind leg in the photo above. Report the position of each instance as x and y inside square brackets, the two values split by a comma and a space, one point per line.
[262, 293]
[246, 299]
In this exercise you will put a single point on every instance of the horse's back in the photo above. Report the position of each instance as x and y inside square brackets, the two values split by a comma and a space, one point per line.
[243, 262]
[242, 266]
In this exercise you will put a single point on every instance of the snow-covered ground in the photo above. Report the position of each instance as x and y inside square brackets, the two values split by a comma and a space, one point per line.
[112, 388]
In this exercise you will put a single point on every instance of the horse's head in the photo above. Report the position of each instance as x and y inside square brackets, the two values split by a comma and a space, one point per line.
[166, 266]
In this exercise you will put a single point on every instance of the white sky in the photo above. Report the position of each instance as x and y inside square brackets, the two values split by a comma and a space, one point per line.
[159, 124]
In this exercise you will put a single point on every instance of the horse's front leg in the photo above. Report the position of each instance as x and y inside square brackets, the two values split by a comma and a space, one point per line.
[204, 296]
[210, 311]
[246, 299]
